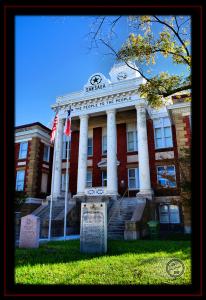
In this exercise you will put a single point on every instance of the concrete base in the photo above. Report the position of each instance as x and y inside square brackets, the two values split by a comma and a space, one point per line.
[187, 229]
[31, 200]
[131, 235]
[145, 194]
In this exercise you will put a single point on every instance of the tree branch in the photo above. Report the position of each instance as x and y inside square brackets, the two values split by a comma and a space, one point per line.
[177, 35]
[118, 57]
[182, 88]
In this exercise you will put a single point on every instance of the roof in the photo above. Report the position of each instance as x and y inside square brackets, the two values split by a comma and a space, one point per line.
[33, 124]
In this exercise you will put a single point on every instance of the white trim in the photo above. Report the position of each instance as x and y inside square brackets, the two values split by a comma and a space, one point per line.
[32, 132]
[21, 163]
[46, 143]
[45, 166]
[179, 105]
[22, 140]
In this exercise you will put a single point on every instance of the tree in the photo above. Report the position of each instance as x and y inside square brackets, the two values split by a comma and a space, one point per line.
[151, 39]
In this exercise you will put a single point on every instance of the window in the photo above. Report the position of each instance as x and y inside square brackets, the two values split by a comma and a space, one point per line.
[166, 176]
[20, 180]
[104, 144]
[90, 147]
[163, 133]
[46, 153]
[44, 181]
[64, 148]
[23, 150]
[131, 141]
[169, 214]
[89, 178]
[104, 178]
[63, 182]
[133, 178]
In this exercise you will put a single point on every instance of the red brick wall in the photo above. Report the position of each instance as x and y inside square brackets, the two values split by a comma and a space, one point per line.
[122, 157]
[188, 130]
[74, 162]
[176, 156]
[151, 148]
[97, 155]
[27, 165]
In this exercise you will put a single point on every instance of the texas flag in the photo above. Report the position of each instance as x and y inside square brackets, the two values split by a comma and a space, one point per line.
[67, 127]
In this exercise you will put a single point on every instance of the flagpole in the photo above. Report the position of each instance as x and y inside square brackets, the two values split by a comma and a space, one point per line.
[66, 191]
[52, 186]
[66, 188]
[51, 198]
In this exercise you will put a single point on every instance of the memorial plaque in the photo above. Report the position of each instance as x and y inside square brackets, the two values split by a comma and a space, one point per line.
[93, 232]
[29, 232]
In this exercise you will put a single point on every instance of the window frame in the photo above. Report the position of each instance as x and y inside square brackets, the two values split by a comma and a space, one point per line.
[163, 138]
[104, 136]
[169, 213]
[104, 179]
[137, 183]
[21, 150]
[64, 148]
[167, 186]
[48, 153]
[89, 181]
[23, 180]
[135, 142]
[91, 147]
[47, 177]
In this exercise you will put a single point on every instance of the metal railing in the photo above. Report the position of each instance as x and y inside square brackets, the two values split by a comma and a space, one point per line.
[118, 207]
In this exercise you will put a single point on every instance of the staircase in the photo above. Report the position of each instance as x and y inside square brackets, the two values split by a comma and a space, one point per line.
[121, 211]
[58, 211]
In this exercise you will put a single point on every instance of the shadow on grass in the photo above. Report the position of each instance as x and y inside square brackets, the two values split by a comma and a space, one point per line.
[69, 251]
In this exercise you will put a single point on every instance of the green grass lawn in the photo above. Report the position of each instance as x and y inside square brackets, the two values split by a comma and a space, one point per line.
[126, 263]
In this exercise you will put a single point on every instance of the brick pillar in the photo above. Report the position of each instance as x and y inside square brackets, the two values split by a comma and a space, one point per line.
[122, 157]
[74, 162]
[176, 156]
[151, 148]
[97, 155]
[32, 167]
[186, 121]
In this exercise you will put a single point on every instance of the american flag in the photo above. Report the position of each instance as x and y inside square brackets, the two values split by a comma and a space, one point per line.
[54, 128]
[67, 128]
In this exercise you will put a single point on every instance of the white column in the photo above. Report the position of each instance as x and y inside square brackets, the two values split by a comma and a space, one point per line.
[111, 153]
[82, 162]
[58, 160]
[143, 154]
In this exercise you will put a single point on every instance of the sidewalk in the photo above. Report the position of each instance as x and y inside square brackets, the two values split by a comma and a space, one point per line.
[60, 238]
[56, 238]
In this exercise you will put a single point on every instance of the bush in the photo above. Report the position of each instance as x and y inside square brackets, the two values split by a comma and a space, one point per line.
[19, 199]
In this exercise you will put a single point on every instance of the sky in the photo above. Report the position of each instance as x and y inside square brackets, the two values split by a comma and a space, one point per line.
[52, 58]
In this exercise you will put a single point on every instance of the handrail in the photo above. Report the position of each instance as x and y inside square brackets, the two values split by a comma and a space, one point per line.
[119, 203]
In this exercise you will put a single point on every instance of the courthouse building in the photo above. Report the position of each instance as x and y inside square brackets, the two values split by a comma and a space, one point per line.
[121, 148]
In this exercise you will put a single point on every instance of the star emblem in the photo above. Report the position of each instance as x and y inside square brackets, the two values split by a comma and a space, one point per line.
[96, 79]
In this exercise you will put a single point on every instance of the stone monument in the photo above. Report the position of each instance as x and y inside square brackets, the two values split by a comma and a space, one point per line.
[93, 231]
[29, 232]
